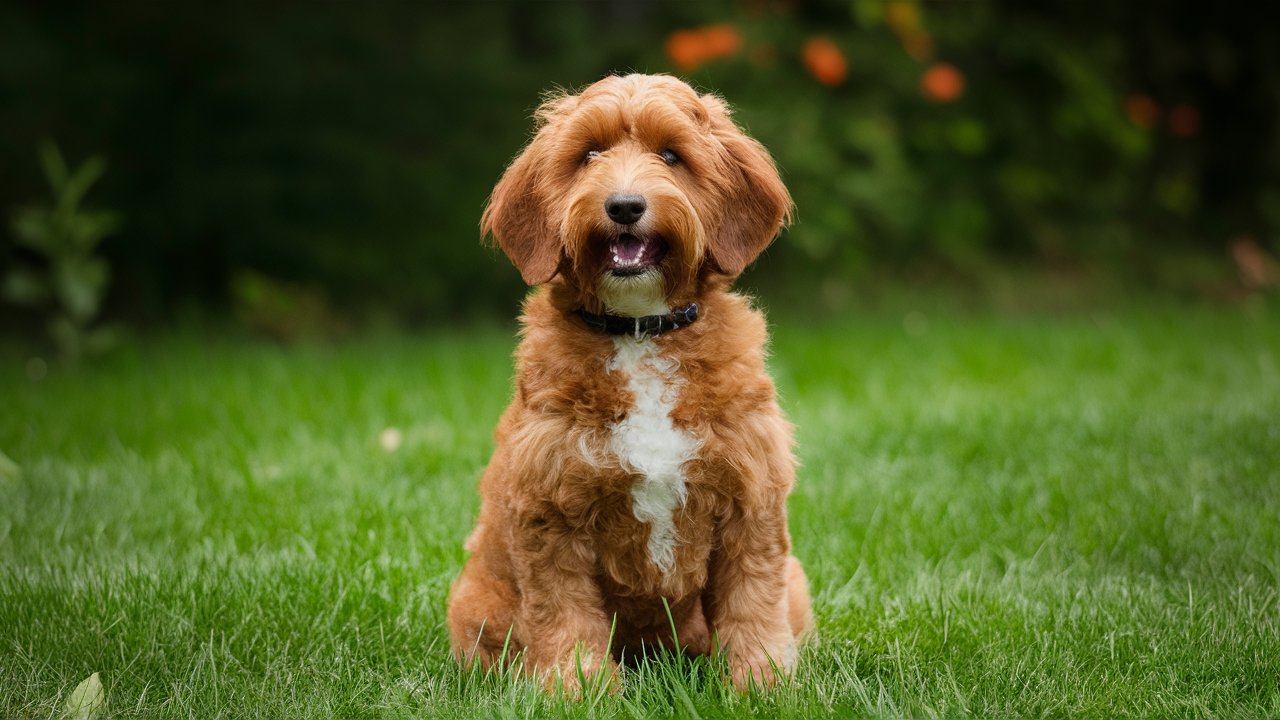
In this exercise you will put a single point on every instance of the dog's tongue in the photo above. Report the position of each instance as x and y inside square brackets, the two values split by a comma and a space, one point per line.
[627, 248]
[631, 255]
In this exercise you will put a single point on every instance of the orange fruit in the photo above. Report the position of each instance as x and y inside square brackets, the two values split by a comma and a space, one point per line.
[942, 83]
[825, 61]
[1141, 110]
[689, 49]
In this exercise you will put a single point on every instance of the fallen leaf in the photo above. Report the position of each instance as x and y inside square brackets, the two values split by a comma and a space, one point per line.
[390, 439]
[86, 700]
[9, 470]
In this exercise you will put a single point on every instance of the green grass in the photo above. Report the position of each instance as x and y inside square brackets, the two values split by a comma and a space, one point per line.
[1027, 515]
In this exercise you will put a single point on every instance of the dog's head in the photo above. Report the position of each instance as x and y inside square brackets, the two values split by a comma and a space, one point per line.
[634, 190]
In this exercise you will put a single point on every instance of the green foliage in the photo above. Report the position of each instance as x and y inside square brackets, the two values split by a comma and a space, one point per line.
[1030, 156]
[72, 279]
[287, 312]
[351, 150]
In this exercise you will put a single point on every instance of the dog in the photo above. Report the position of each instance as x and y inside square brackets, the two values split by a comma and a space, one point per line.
[636, 496]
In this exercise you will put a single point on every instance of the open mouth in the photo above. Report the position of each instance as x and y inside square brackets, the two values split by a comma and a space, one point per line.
[632, 255]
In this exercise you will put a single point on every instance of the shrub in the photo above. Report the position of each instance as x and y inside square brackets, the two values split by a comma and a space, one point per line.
[69, 281]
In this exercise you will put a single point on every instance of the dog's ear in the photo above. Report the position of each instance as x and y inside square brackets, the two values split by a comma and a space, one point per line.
[756, 203]
[516, 217]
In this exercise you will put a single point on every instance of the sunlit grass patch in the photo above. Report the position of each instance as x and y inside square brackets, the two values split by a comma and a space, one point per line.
[1000, 516]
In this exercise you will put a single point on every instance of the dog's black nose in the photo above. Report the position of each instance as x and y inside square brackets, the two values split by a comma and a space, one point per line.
[625, 209]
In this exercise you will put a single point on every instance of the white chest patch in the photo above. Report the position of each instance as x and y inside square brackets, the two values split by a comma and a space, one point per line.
[648, 444]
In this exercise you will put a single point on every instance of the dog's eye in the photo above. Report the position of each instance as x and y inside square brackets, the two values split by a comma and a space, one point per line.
[669, 157]
[591, 155]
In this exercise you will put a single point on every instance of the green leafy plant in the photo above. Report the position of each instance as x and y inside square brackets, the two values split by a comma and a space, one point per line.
[68, 286]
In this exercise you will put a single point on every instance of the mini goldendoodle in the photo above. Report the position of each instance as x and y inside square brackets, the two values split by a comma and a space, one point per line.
[643, 462]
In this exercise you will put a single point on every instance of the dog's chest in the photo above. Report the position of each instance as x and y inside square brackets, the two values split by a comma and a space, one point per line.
[647, 443]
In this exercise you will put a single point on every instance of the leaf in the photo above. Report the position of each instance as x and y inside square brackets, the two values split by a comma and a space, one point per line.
[868, 13]
[31, 227]
[9, 470]
[24, 286]
[91, 226]
[80, 181]
[55, 168]
[86, 701]
[968, 136]
[80, 285]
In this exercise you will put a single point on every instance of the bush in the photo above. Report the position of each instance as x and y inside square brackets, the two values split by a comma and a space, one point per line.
[69, 281]
[351, 149]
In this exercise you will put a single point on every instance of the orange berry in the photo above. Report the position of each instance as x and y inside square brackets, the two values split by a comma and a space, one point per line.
[825, 61]
[1141, 111]
[720, 41]
[688, 49]
[942, 83]
[683, 49]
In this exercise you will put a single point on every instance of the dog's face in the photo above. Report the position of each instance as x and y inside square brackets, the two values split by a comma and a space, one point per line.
[633, 191]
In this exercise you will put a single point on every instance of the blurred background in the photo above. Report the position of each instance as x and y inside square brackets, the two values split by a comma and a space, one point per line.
[315, 168]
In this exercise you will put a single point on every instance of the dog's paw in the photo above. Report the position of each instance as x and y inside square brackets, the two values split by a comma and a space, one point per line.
[763, 669]
[582, 673]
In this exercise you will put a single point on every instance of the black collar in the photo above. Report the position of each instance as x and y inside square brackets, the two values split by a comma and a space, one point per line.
[647, 325]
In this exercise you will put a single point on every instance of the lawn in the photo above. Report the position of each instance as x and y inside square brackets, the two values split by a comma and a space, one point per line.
[1030, 514]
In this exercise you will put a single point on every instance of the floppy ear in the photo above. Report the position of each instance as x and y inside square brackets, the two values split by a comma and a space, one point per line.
[756, 203]
[517, 218]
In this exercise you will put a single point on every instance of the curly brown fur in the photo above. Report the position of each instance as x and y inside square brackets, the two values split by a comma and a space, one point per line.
[606, 434]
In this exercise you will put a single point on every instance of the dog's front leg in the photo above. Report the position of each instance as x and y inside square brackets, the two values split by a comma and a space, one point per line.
[562, 616]
[748, 598]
